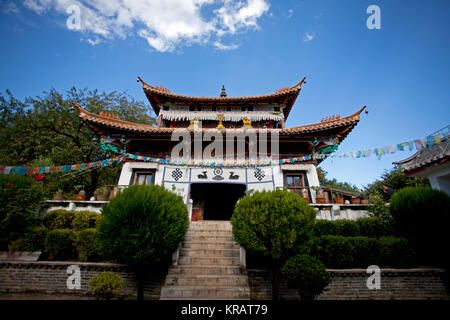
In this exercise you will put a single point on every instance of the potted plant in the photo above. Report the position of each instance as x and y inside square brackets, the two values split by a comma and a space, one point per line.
[58, 195]
[355, 200]
[304, 193]
[81, 195]
[319, 195]
[101, 194]
[338, 199]
[365, 200]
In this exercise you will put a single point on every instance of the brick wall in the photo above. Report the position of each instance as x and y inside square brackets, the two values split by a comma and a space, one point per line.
[351, 284]
[51, 277]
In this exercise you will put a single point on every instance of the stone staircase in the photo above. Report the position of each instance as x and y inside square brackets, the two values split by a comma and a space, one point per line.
[208, 266]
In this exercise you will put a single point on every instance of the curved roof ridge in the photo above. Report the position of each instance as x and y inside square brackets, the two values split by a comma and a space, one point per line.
[278, 92]
[107, 118]
[352, 117]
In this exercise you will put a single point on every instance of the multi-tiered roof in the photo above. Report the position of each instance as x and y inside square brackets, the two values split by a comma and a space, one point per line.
[269, 110]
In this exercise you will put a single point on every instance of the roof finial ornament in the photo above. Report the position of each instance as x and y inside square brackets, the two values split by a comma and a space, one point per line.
[223, 94]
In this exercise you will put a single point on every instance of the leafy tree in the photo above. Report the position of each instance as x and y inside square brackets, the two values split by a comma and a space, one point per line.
[46, 131]
[307, 274]
[20, 204]
[141, 227]
[334, 183]
[275, 224]
[394, 179]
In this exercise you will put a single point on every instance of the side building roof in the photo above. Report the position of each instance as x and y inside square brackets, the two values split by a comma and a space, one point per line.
[426, 158]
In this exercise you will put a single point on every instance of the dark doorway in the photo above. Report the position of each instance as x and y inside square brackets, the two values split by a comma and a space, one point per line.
[216, 201]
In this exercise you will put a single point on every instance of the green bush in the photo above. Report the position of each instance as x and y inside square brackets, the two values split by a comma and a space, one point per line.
[325, 227]
[59, 219]
[86, 245]
[142, 226]
[423, 216]
[367, 227]
[274, 224]
[336, 252]
[396, 253]
[360, 252]
[374, 227]
[59, 244]
[20, 203]
[307, 274]
[34, 240]
[85, 220]
[106, 285]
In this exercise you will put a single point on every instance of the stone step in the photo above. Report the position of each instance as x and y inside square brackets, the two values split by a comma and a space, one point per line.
[207, 270]
[213, 238]
[207, 280]
[204, 292]
[210, 225]
[210, 245]
[209, 233]
[202, 252]
[210, 260]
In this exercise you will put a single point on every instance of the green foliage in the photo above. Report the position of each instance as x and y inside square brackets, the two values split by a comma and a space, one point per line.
[142, 225]
[276, 224]
[333, 183]
[85, 220]
[396, 253]
[59, 219]
[50, 126]
[20, 203]
[59, 244]
[374, 227]
[307, 274]
[423, 215]
[369, 227]
[379, 209]
[360, 252]
[86, 245]
[34, 240]
[106, 285]
[395, 179]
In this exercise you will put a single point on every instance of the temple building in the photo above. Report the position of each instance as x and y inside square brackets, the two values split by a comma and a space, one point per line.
[184, 151]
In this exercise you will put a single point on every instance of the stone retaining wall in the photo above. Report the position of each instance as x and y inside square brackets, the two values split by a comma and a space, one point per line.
[51, 277]
[348, 284]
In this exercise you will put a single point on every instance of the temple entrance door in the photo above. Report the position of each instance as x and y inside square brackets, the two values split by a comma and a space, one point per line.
[215, 201]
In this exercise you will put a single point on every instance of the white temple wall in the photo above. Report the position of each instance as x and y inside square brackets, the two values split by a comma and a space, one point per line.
[179, 178]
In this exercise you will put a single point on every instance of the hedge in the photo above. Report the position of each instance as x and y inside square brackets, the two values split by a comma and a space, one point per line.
[86, 245]
[34, 240]
[360, 252]
[59, 244]
[59, 219]
[85, 220]
[368, 227]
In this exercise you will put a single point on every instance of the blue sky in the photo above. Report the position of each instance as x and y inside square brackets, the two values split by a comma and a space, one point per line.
[192, 47]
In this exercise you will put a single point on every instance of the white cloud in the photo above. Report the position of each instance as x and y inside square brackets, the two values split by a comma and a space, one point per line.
[9, 7]
[224, 47]
[290, 13]
[164, 24]
[307, 37]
